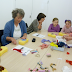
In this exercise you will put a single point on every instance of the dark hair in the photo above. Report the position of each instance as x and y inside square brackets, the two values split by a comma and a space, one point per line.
[55, 19]
[16, 11]
[40, 15]
[68, 21]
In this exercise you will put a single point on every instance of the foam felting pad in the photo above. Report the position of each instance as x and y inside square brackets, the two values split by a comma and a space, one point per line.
[3, 50]
[61, 34]
[52, 35]
[23, 41]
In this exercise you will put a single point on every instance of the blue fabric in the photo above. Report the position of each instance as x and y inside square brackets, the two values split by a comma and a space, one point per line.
[9, 29]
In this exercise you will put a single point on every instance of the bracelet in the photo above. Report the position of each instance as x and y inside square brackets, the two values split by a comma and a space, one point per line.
[37, 55]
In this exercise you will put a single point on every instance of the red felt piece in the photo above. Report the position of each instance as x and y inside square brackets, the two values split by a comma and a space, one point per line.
[19, 50]
[67, 61]
[68, 53]
[70, 62]
[57, 41]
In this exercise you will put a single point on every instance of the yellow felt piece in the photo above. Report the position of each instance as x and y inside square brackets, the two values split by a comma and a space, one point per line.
[53, 44]
[23, 42]
[61, 34]
[4, 49]
[52, 35]
[4, 70]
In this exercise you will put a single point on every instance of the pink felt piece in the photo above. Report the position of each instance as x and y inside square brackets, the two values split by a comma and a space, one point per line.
[44, 46]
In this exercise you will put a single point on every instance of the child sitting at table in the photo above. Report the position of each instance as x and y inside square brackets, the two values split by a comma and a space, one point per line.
[67, 28]
[54, 27]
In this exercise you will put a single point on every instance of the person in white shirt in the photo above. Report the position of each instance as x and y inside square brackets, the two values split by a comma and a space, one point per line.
[15, 28]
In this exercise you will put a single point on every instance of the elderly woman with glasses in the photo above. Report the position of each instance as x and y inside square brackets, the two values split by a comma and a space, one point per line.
[15, 28]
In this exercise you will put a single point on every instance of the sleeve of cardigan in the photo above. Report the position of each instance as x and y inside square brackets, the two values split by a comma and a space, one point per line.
[7, 30]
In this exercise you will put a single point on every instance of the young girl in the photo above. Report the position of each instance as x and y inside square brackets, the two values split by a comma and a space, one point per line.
[54, 27]
[67, 28]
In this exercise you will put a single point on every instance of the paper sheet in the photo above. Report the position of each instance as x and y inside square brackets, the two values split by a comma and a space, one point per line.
[38, 35]
[60, 39]
[70, 45]
[25, 50]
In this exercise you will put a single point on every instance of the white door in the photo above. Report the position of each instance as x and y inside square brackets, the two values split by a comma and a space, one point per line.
[39, 6]
[6, 7]
[26, 5]
[60, 9]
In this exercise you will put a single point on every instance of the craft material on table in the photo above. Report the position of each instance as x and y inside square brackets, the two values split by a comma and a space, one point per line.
[38, 70]
[34, 51]
[52, 66]
[38, 35]
[61, 34]
[22, 49]
[52, 35]
[23, 41]
[48, 55]
[3, 49]
[60, 39]
[53, 40]
[70, 45]
[37, 55]
[33, 40]
[44, 40]
[60, 58]
[44, 46]
[68, 61]
[40, 63]
[66, 69]
[68, 53]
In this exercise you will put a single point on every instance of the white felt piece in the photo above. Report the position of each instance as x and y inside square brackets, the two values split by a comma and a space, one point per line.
[66, 69]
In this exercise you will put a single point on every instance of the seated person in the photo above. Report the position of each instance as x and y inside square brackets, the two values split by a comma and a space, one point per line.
[36, 24]
[15, 28]
[54, 27]
[67, 28]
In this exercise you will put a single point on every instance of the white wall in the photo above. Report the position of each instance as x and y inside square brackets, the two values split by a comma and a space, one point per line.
[54, 8]
[6, 7]
[26, 5]
[60, 9]
[39, 6]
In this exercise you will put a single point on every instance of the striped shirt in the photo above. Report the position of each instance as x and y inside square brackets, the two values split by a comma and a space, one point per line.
[33, 27]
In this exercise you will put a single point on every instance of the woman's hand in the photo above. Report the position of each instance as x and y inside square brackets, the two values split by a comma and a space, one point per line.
[13, 41]
[24, 37]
